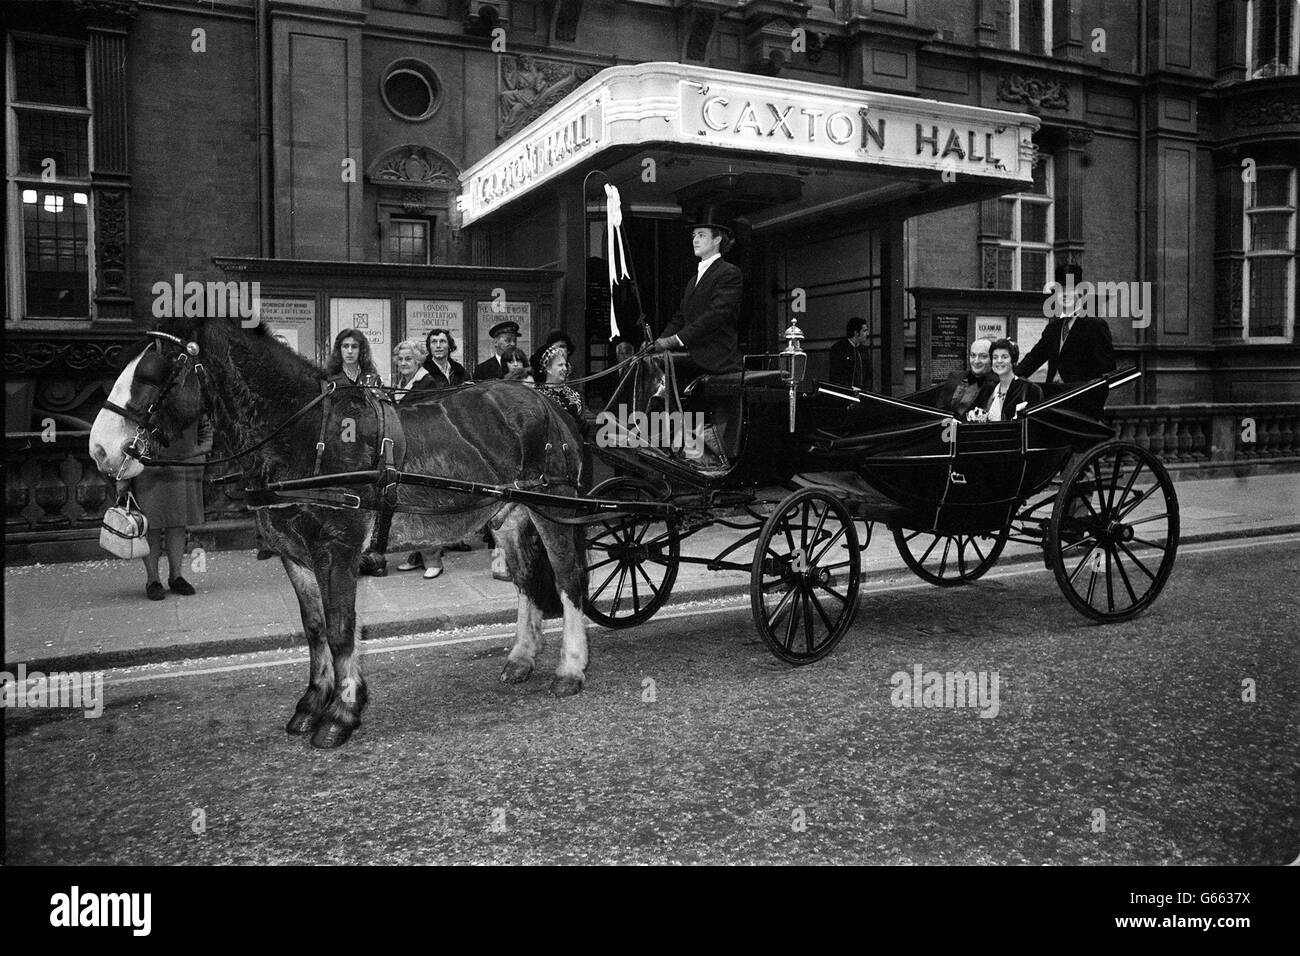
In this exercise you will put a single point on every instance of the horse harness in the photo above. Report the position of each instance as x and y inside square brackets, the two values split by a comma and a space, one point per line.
[318, 489]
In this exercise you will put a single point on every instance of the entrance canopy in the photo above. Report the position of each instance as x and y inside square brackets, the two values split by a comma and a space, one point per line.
[805, 147]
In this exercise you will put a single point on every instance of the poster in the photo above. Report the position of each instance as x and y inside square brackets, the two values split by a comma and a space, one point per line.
[1029, 329]
[425, 314]
[521, 312]
[293, 322]
[991, 327]
[947, 346]
[370, 317]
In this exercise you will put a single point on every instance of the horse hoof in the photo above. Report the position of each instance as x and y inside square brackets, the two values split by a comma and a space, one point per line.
[516, 672]
[300, 723]
[566, 686]
[330, 734]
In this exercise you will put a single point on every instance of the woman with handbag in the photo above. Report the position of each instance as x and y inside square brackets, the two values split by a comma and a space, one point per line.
[171, 497]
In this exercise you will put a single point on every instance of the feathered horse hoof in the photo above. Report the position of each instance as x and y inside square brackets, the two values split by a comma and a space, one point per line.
[516, 672]
[300, 723]
[330, 734]
[565, 686]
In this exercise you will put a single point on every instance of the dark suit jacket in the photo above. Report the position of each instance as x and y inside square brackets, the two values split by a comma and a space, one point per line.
[489, 369]
[1088, 351]
[458, 374]
[709, 317]
[961, 391]
[850, 365]
[1020, 390]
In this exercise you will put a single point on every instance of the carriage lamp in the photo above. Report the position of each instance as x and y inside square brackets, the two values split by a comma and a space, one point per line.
[793, 363]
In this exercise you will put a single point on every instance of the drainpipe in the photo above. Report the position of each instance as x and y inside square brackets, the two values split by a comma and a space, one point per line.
[266, 196]
[1143, 389]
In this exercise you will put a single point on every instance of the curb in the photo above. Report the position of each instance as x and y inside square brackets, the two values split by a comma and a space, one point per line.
[290, 640]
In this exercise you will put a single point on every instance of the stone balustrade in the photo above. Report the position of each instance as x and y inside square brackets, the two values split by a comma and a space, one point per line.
[1212, 434]
[53, 490]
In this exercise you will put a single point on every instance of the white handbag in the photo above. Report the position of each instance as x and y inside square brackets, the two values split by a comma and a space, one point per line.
[123, 532]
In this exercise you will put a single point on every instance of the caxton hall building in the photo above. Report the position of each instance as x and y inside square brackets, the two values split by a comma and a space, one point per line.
[398, 165]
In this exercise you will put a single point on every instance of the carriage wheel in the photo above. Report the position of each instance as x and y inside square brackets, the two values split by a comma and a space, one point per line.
[804, 586]
[631, 561]
[949, 559]
[1114, 531]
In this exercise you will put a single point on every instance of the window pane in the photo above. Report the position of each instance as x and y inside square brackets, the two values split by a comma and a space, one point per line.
[1268, 283]
[1270, 230]
[43, 136]
[1040, 177]
[1272, 187]
[54, 242]
[1272, 53]
[1031, 26]
[50, 73]
[1033, 222]
[1033, 271]
[408, 242]
[1006, 218]
[1006, 259]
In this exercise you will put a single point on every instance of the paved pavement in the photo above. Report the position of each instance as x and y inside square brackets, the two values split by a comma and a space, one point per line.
[95, 614]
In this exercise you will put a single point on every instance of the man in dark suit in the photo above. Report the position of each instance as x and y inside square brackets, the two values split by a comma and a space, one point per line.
[850, 360]
[706, 324]
[1077, 348]
[962, 389]
[503, 335]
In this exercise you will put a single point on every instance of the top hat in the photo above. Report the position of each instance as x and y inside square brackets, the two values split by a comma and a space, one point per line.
[501, 328]
[708, 218]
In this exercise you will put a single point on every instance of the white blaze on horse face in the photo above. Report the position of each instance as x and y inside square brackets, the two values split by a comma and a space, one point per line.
[110, 432]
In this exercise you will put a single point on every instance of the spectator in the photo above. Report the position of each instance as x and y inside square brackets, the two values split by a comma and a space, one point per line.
[551, 370]
[503, 336]
[350, 360]
[445, 371]
[410, 379]
[516, 365]
[850, 358]
[171, 497]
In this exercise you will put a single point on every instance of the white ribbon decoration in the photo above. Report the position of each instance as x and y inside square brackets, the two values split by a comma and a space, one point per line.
[616, 252]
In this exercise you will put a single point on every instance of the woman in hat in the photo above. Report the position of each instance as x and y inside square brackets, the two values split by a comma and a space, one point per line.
[551, 371]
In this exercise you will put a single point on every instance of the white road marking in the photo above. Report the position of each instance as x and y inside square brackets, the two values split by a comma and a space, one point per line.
[506, 637]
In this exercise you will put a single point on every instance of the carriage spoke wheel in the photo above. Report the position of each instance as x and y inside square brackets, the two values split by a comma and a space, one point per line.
[1114, 531]
[804, 585]
[949, 559]
[631, 560]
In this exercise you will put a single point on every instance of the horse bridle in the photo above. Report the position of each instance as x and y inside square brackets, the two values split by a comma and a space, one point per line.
[143, 410]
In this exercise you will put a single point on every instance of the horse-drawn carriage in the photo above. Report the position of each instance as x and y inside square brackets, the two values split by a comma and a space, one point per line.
[319, 461]
[952, 494]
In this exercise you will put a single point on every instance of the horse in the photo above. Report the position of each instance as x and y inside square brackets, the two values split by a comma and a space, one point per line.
[286, 421]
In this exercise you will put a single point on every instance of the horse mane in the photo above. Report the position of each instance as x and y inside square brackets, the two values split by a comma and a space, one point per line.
[253, 375]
